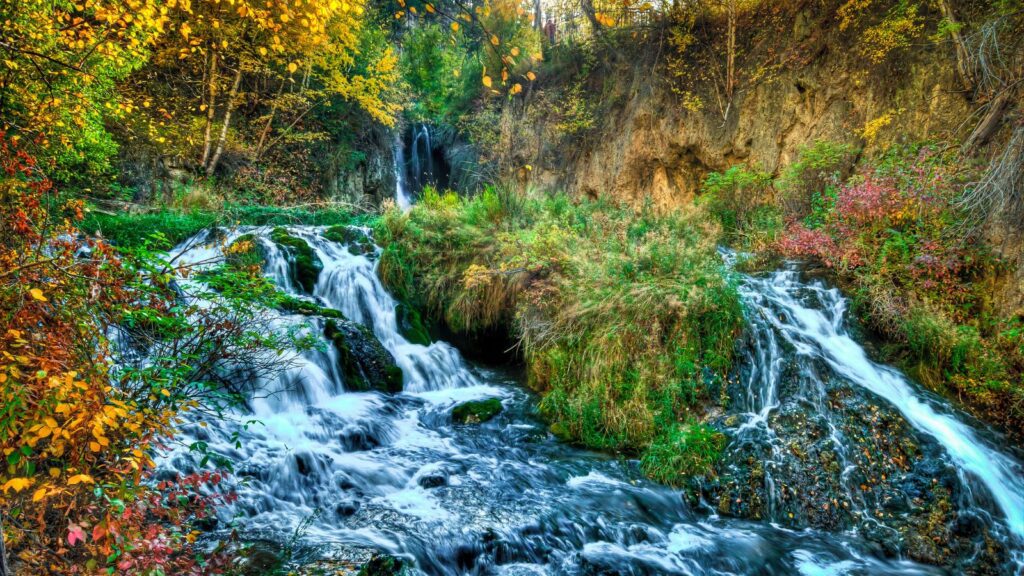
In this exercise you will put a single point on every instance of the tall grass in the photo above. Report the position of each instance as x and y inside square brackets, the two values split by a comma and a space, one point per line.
[625, 317]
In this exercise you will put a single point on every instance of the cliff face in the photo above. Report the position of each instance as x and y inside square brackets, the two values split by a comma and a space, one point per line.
[647, 142]
[651, 146]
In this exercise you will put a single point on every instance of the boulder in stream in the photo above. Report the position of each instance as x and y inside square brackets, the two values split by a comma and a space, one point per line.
[303, 261]
[362, 359]
[476, 411]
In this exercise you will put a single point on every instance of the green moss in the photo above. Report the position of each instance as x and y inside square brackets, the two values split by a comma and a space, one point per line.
[476, 411]
[245, 253]
[685, 451]
[364, 363]
[411, 324]
[290, 303]
[306, 266]
[356, 240]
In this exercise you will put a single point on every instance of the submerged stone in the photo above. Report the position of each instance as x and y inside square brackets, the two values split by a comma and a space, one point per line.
[362, 359]
[476, 411]
[304, 263]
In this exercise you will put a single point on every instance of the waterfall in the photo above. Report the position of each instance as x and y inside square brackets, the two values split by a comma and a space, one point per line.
[810, 318]
[401, 195]
[340, 475]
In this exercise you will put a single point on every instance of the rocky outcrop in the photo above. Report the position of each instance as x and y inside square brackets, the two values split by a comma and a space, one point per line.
[656, 137]
[363, 361]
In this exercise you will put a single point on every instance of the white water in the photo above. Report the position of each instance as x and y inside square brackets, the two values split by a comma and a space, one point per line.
[401, 194]
[343, 472]
[811, 318]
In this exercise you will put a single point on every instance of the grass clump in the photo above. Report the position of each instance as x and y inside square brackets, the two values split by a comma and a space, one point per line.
[625, 317]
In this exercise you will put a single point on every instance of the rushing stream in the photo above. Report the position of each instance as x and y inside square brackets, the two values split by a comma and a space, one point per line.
[340, 471]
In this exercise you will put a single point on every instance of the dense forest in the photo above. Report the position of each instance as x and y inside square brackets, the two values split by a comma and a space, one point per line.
[511, 287]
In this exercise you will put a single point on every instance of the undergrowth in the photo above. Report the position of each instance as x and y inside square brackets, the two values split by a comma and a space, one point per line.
[894, 236]
[175, 226]
[624, 316]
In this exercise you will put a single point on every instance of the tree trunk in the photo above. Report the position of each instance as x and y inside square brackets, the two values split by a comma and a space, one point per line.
[988, 125]
[591, 14]
[229, 107]
[963, 56]
[211, 78]
[268, 125]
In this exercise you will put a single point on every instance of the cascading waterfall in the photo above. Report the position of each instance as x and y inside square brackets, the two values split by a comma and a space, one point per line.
[401, 194]
[810, 318]
[343, 473]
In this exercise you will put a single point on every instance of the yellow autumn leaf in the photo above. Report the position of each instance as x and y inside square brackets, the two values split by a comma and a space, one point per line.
[79, 478]
[455, 26]
[37, 294]
[531, 76]
[39, 495]
[430, 8]
[95, 446]
[515, 51]
[517, 88]
[292, 67]
[16, 484]
[487, 81]
[494, 39]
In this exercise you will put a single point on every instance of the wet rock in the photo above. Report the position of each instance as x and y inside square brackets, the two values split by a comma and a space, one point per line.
[304, 263]
[362, 359]
[261, 558]
[411, 325]
[346, 508]
[476, 411]
[289, 303]
[432, 480]
[385, 565]
[245, 253]
[355, 239]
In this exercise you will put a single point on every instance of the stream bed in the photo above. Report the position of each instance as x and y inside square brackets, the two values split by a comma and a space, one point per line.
[343, 474]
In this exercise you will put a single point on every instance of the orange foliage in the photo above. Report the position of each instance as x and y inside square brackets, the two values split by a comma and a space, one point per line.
[77, 447]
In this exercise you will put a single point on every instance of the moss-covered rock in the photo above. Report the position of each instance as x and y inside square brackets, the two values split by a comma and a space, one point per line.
[305, 265]
[289, 303]
[384, 565]
[362, 359]
[476, 411]
[245, 254]
[356, 240]
[411, 325]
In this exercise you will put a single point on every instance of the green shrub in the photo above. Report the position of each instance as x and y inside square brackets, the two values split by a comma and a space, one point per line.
[741, 200]
[808, 186]
[625, 317]
[685, 451]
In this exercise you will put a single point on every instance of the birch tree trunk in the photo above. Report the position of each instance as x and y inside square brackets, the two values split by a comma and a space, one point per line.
[229, 107]
[211, 78]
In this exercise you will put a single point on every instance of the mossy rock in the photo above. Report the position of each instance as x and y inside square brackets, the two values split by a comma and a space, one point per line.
[476, 411]
[384, 565]
[410, 324]
[355, 239]
[362, 359]
[289, 303]
[245, 254]
[305, 265]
